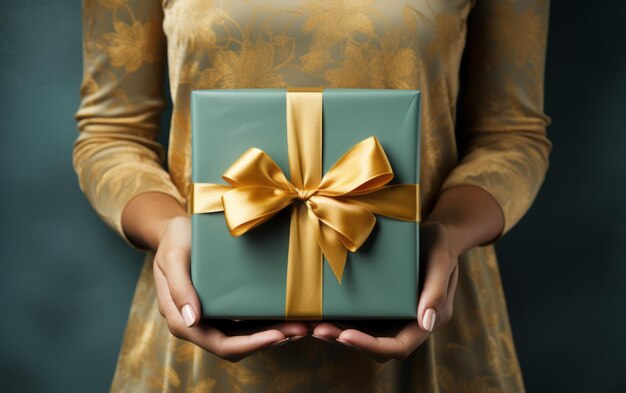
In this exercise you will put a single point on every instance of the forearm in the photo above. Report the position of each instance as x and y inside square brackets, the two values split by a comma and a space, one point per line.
[471, 216]
[146, 216]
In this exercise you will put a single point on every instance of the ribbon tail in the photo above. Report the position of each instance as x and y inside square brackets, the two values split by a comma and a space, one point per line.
[333, 249]
[206, 197]
[400, 201]
[331, 243]
[304, 269]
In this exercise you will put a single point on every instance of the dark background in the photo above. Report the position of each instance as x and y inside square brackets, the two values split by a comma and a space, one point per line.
[66, 280]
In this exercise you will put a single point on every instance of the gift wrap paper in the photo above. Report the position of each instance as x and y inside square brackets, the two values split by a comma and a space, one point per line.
[245, 277]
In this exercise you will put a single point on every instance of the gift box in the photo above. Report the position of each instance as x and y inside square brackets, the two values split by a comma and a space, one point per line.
[305, 203]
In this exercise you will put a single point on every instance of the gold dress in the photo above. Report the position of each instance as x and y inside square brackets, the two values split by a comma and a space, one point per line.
[415, 44]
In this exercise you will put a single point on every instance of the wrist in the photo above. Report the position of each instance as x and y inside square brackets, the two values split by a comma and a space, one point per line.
[454, 233]
[470, 216]
[162, 227]
[146, 217]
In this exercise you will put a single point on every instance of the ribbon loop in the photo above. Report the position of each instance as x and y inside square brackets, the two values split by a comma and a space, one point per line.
[256, 168]
[363, 168]
[247, 207]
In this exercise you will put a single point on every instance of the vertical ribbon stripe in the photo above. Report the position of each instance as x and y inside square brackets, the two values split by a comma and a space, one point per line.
[305, 262]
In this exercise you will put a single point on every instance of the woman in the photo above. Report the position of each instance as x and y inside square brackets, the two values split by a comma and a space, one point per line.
[468, 202]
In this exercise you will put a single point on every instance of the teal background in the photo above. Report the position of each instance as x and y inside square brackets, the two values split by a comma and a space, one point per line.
[380, 280]
[66, 280]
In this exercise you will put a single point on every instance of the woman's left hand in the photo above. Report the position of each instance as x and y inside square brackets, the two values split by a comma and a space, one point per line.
[434, 307]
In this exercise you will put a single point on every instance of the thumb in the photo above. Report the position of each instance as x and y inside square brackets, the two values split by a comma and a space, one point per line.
[173, 260]
[181, 288]
[432, 310]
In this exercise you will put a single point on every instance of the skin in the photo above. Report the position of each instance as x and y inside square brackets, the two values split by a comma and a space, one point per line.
[463, 217]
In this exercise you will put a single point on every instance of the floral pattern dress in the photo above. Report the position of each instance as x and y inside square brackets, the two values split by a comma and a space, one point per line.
[130, 45]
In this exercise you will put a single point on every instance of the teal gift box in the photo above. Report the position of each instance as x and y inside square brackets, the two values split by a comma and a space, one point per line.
[247, 275]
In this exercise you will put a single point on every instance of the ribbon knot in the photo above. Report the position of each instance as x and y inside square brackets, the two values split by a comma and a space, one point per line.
[304, 195]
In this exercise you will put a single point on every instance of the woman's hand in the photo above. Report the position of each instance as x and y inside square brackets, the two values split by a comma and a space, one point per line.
[464, 217]
[180, 306]
[434, 308]
[151, 220]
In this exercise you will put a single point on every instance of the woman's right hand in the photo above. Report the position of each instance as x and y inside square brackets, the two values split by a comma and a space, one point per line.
[180, 306]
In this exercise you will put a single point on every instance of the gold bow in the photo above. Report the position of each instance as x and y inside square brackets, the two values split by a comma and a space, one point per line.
[329, 216]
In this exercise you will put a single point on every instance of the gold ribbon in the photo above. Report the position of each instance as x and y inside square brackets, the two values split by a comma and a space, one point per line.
[330, 215]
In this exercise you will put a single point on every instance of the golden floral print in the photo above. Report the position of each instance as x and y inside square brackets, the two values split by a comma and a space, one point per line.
[368, 66]
[130, 45]
[329, 22]
[332, 20]
[252, 66]
[414, 44]
[199, 18]
[527, 23]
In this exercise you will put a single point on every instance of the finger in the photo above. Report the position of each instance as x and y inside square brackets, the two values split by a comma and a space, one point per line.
[213, 340]
[327, 330]
[213, 336]
[167, 308]
[234, 348]
[450, 296]
[291, 329]
[412, 335]
[175, 266]
[434, 294]
[239, 347]
[385, 348]
[164, 299]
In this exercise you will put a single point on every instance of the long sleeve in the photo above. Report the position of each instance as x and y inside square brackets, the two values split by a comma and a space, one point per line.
[504, 144]
[116, 155]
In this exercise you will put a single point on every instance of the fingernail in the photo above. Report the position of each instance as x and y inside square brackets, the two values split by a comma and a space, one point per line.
[294, 338]
[345, 342]
[429, 319]
[281, 342]
[189, 316]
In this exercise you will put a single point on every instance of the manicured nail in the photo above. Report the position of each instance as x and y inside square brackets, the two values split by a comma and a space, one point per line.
[328, 340]
[189, 316]
[429, 319]
[344, 342]
[281, 342]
